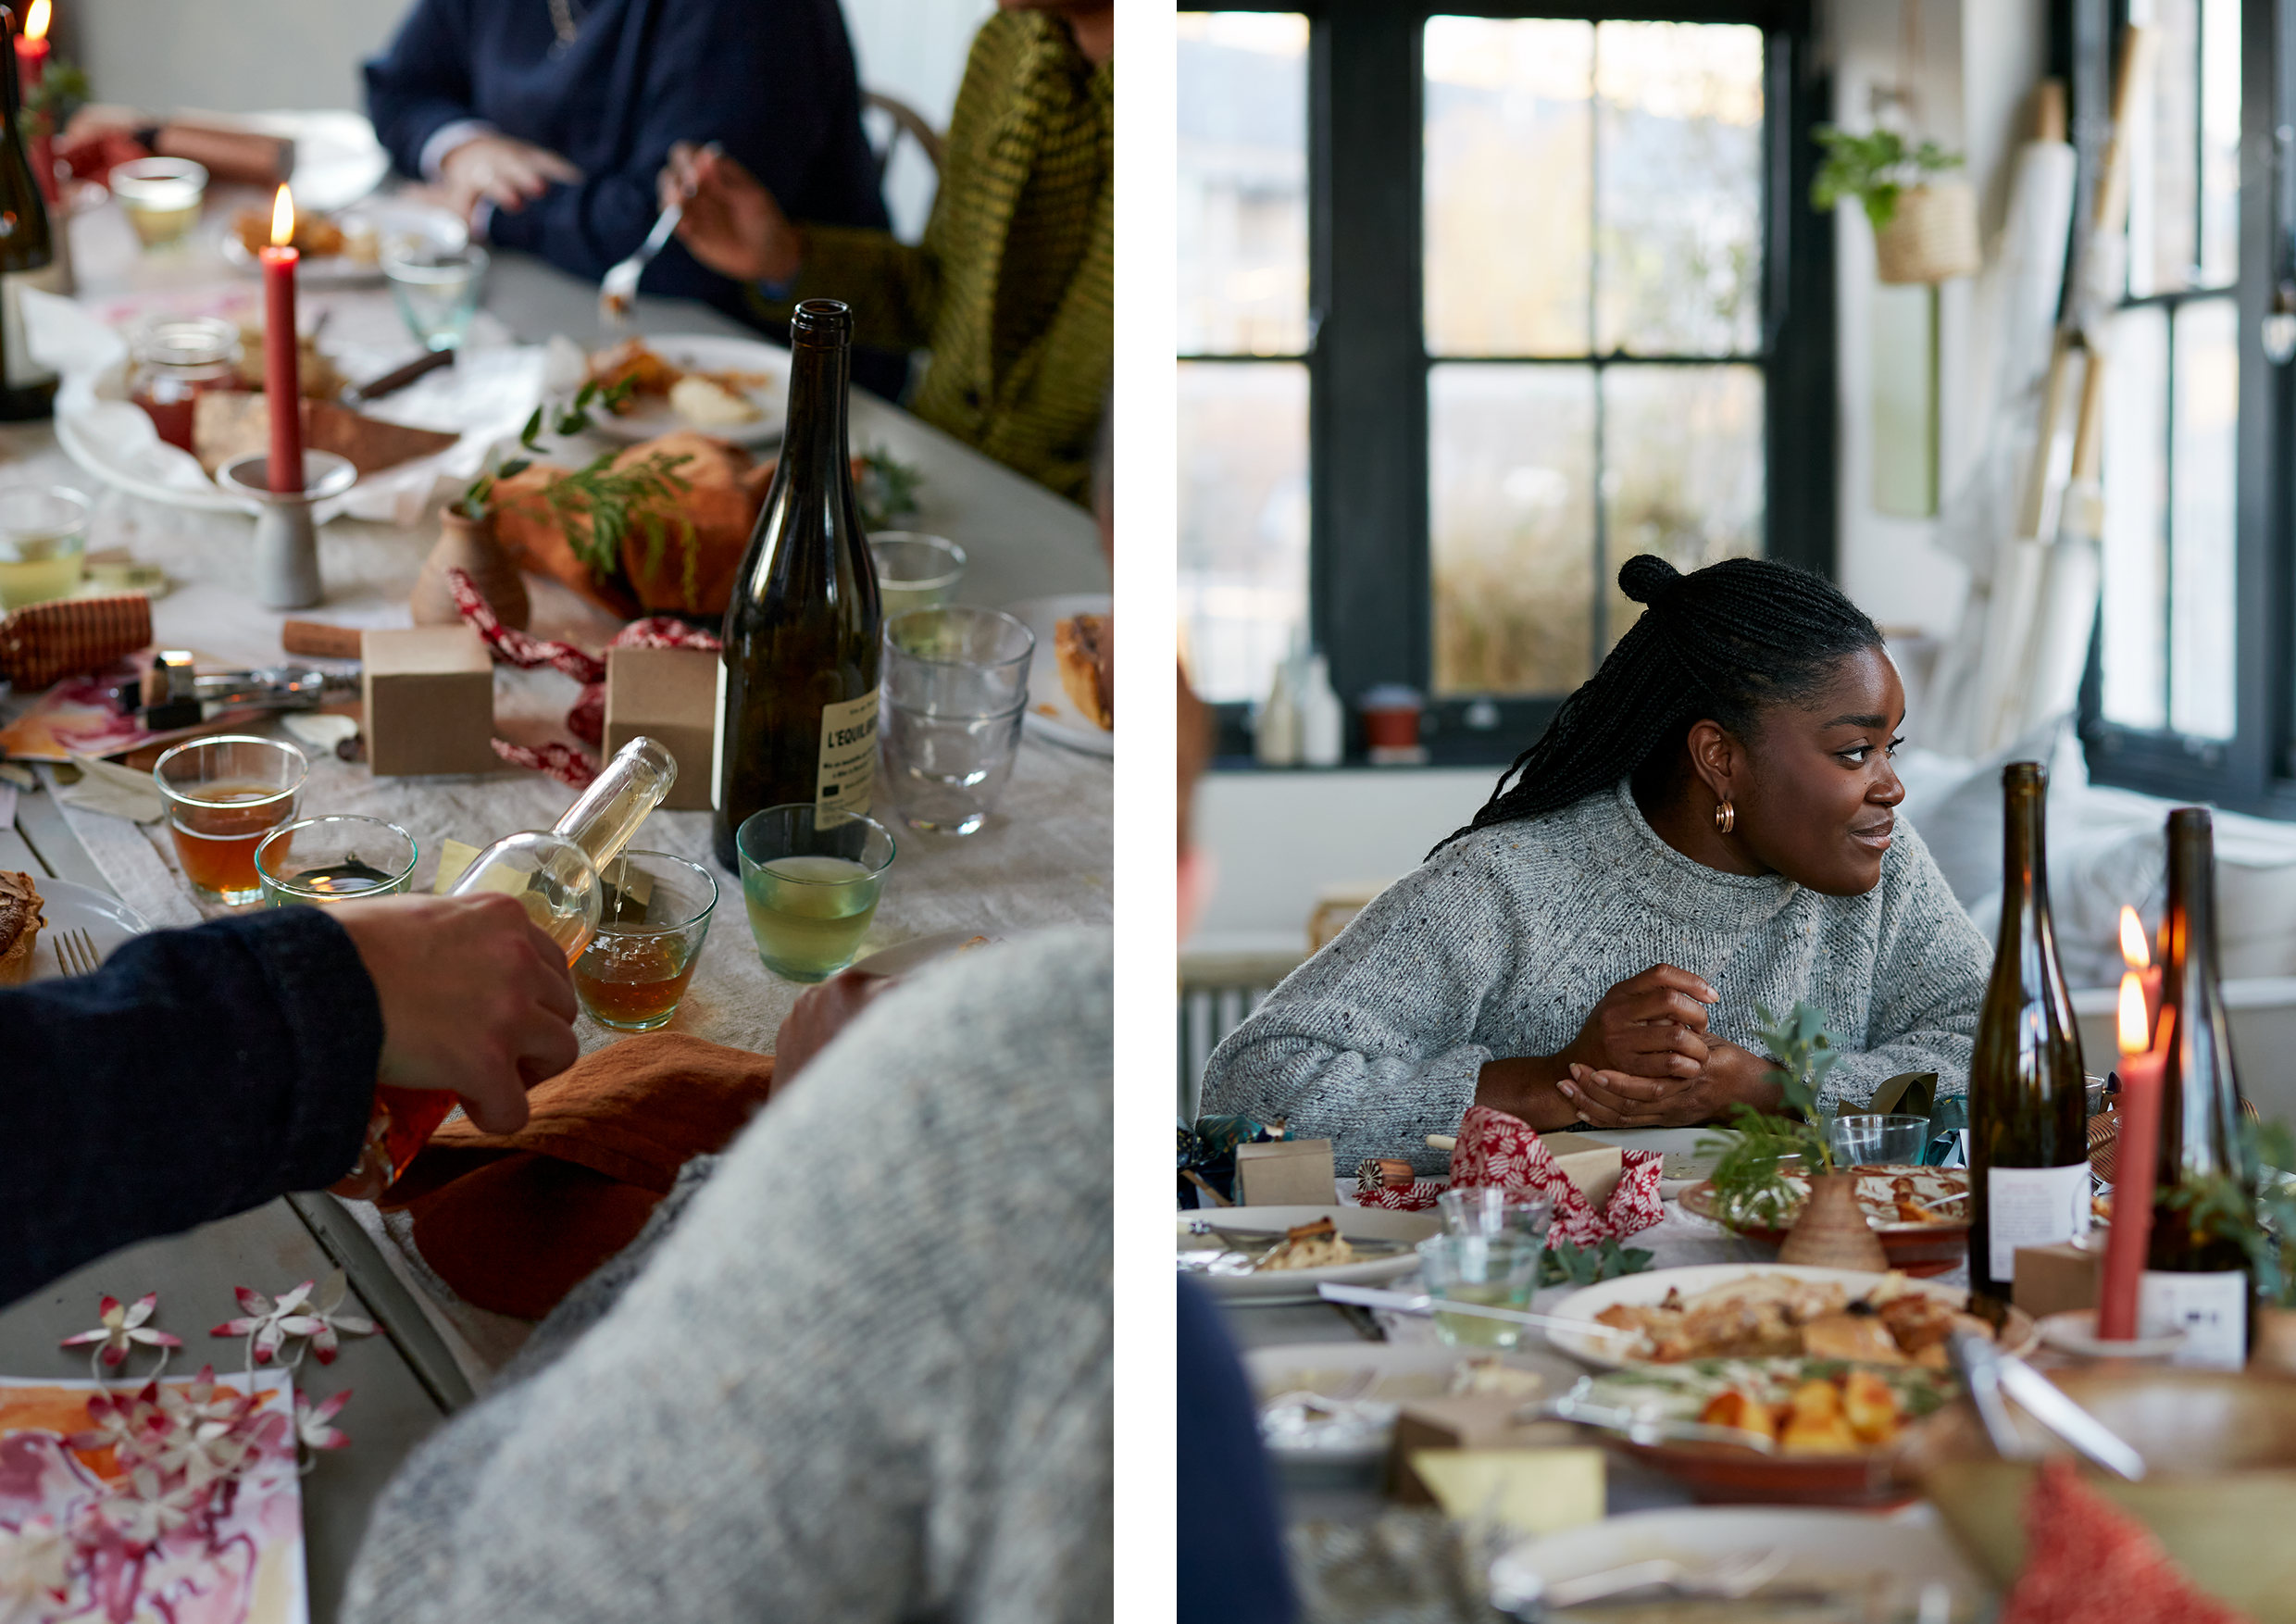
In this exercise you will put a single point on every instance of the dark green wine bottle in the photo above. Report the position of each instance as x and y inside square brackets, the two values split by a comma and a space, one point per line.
[798, 719]
[27, 250]
[2028, 1115]
[2195, 1283]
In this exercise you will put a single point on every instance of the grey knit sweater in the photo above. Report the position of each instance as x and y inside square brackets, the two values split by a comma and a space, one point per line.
[1500, 946]
[863, 1375]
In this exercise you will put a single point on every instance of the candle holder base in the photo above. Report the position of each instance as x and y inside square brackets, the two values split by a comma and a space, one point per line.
[286, 535]
[2074, 1331]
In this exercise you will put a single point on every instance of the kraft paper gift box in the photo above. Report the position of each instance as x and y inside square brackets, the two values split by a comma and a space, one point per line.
[1290, 1172]
[430, 694]
[1460, 1421]
[2056, 1279]
[671, 696]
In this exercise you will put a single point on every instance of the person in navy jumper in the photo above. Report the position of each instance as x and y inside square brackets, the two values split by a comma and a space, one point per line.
[547, 120]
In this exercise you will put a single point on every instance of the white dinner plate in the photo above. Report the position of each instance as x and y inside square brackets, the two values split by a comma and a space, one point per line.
[1050, 713]
[1848, 1549]
[338, 160]
[703, 353]
[383, 219]
[1400, 1372]
[1652, 1287]
[66, 907]
[1299, 1285]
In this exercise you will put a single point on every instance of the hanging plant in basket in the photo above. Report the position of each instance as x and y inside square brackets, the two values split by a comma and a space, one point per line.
[1925, 227]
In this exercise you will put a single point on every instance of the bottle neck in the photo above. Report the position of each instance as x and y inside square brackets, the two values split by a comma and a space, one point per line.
[2188, 927]
[815, 442]
[11, 93]
[2024, 862]
[607, 813]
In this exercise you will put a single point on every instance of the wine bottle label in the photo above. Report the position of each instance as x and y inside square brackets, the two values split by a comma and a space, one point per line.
[848, 756]
[21, 370]
[2032, 1206]
[2211, 1309]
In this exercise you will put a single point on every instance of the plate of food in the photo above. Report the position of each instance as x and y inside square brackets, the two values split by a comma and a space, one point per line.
[344, 248]
[1072, 678]
[1921, 1214]
[1777, 1310]
[1284, 1253]
[35, 911]
[1333, 1405]
[734, 388]
[1825, 1564]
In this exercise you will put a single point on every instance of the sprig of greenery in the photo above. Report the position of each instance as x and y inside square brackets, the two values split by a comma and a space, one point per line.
[1584, 1265]
[1750, 1188]
[887, 489]
[2263, 1224]
[614, 502]
[1873, 168]
[62, 87]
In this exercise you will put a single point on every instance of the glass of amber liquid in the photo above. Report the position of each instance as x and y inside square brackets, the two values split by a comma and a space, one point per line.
[651, 921]
[224, 795]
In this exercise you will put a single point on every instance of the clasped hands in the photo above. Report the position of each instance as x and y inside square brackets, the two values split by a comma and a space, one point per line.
[1643, 1058]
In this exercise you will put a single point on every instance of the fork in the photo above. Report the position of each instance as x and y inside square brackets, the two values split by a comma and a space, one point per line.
[75, 952]
[1730, 1578]
[619, 288]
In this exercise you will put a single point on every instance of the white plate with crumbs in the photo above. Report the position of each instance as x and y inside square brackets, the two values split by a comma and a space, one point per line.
[106, 920]
[1225, 1271]
[1050, 713]
[1367, 1383]
[746, 375]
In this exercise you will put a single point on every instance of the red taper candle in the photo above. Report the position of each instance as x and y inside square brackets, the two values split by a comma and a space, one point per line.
[32, 62]
[2136, 1156]
[282, 381]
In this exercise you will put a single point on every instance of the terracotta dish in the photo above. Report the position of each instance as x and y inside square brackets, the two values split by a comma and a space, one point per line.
[1913, 1246]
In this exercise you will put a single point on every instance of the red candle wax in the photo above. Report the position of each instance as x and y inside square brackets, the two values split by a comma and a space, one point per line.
[32, 62]
[282, 383]
[2135, 1155]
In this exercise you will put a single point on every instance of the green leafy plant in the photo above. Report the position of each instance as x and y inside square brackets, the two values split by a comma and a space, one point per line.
[1873, 168]
[614, 501]
[1584, 1265]
[1750, 1186]
[886, 491]
[2263, 1224]
[62, 87]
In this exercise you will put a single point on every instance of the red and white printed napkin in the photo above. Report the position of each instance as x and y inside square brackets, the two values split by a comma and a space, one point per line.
[1497, 1149]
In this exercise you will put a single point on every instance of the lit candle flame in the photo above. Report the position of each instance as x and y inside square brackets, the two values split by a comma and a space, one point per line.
[284, 219]
[2133, 1039]
[36, 20]
[2135, 951]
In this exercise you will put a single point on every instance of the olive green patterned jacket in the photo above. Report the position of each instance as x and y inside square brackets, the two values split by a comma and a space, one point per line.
[1012, 287]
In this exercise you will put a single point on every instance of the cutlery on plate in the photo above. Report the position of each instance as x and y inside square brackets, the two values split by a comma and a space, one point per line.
[1991, 1375]
[1638, 1428]
[1730, 1578]
[1421, 1304]
[1266, 1240]
[75, 952]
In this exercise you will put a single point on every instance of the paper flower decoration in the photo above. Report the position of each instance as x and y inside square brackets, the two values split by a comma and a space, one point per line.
[129, 1424]
[313, 1428]
[32, 1561]
[123, 1327]
[267, 1325]
[142, 1509]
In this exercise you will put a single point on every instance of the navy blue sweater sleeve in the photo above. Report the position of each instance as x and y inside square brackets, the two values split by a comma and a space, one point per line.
[199, 1074]
[422, 82]
[1230, 1539]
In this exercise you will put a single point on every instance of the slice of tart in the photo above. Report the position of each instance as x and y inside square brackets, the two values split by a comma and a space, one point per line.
[21, 921]
[1085, 647]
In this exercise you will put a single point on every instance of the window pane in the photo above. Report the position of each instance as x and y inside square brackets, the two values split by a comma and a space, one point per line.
[1242, 521]
[1511, 475]
[2201, 565]
[1242, 219]
[2220, 142]
[1679, 188]
[1508, 186]
[2164, 194]
[1682, 471]
[2136, 521]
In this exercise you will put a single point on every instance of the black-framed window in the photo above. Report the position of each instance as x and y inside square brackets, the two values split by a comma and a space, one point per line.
[2187, 693]
[1563, 301]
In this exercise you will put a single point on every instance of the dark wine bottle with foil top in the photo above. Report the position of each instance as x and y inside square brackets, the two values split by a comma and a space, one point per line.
[2029, 1110]
[27, 250]
[797, 718]
[2195, 1282]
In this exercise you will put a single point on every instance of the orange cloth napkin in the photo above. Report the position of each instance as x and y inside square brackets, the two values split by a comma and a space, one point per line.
[515, 1221]
[2088, 1562]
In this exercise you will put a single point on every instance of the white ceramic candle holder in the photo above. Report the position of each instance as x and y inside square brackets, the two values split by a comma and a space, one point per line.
[286, 535]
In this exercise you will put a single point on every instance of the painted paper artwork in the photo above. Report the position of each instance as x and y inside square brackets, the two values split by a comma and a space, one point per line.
[175, 1501]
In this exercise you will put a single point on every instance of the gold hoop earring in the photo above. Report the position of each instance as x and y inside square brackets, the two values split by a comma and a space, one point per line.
[1725, 817]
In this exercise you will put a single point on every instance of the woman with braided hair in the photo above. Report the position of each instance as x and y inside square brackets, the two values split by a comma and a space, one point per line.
[1708, 827]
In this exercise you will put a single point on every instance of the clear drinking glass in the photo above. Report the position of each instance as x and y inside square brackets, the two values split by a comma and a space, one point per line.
[1497, 1271]
[652, 922]
[956, 683]
[224, 795]
[160, 196]
[437, 288]
[1490, 1210]
[44, 542]
[811, 886]
[914, 571]
[1877, 1142]
[334, 858]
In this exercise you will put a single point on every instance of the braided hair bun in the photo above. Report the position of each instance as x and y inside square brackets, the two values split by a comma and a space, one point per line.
[1725, 642]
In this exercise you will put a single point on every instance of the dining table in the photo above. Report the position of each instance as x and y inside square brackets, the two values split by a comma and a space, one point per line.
[1044, 858]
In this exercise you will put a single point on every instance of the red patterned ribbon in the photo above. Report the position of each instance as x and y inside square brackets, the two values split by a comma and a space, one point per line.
[586, 720]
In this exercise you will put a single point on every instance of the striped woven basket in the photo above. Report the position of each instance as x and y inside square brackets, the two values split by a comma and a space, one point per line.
[1932, 236]
[42, 642]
